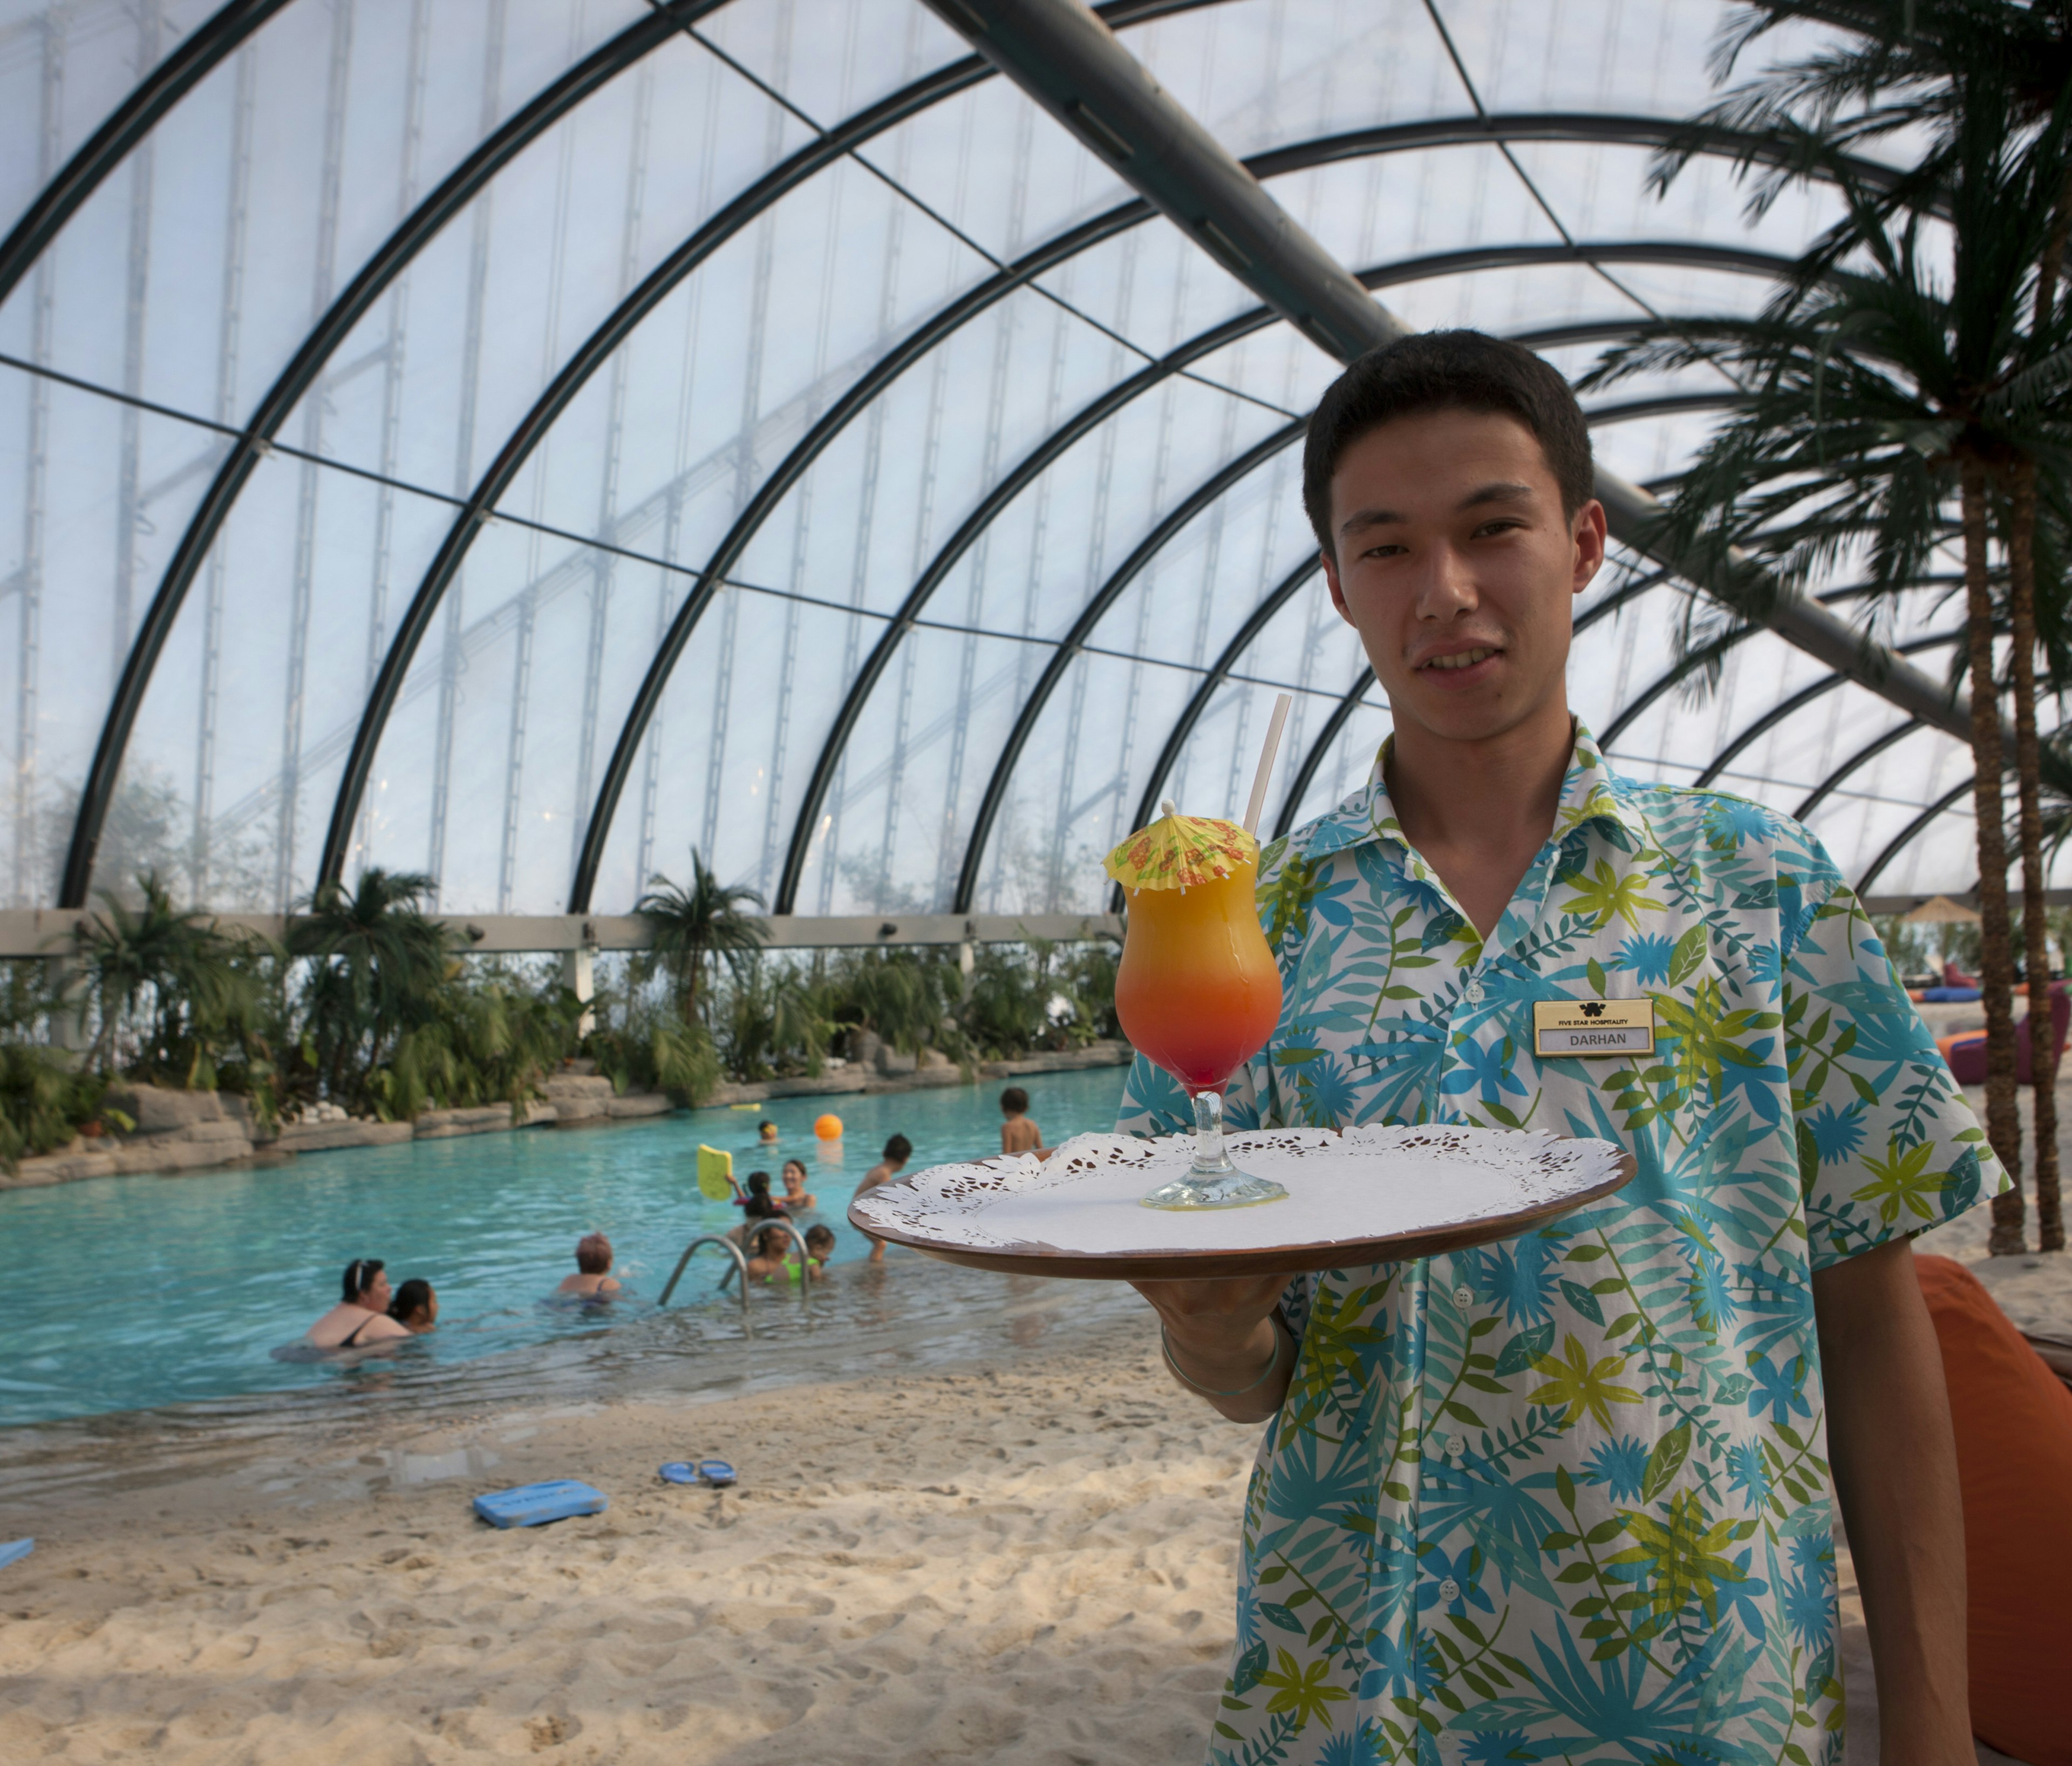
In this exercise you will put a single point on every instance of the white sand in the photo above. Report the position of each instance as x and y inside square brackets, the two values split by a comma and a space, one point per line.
[1031, 1566]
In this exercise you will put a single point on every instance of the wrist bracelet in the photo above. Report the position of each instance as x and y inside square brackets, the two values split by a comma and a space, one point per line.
[1272, 1361]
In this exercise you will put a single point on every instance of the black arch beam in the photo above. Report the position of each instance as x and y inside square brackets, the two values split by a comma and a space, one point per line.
[1242, 640]
[1090, 617]
[1025, 473]
[1797, 701]
[1298, 787]
[1063, 57]
[202, 49]
[193, 59]
[454, 193]
[1868, 752]
[771, 492]
[1909, 833]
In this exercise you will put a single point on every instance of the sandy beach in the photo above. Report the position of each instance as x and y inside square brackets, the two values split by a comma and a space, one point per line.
[1027, 1562]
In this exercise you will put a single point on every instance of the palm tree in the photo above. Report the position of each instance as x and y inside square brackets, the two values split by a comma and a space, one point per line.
[377, 961]
[166, 982]
[689, 926]
[1880, 391]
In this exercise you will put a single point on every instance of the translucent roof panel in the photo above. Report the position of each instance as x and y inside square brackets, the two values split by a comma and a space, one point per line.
[523, 443]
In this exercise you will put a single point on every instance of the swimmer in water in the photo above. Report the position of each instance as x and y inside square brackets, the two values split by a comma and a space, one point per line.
[1018, 1133]
[416, 1307]
[898, 1151]
[766, 1253]
[593, 1279]
[362, 1316]
[766, 1134]
[797, 1198]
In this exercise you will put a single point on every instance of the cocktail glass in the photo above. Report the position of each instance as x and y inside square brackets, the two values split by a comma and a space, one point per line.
[1199, 994]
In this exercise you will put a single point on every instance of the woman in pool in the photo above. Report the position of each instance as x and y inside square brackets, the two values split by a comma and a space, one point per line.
[593, 1279]
[362, 1316]
[798, 1199]
[415, 1307]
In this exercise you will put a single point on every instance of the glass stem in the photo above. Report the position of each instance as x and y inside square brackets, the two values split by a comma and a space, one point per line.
[1210, 1156]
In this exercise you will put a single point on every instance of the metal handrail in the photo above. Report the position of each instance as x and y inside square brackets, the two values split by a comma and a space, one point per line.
[726, 1245]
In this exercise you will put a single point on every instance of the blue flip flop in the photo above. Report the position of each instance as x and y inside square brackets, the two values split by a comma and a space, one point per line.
[716, 1472]
[679, 1472]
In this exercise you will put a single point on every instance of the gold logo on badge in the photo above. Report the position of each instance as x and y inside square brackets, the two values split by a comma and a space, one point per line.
[1593, 1026]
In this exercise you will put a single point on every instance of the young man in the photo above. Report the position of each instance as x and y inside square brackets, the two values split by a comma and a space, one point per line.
[1568, 1496]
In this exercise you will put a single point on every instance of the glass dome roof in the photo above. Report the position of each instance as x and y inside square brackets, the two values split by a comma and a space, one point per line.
[520, 440]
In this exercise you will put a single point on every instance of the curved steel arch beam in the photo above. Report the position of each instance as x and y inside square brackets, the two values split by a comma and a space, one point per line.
[1299, 785]
[1869, 752]
[193, 59]
[1255, 622]
[1082, 628]
[665, 18]
[1909, 833]
[458, 188]
[1026, 472]
[768, 495]
[773, 488]
[1798, 701]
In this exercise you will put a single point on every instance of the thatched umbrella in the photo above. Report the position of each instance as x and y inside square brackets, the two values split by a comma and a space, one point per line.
[1940, 911]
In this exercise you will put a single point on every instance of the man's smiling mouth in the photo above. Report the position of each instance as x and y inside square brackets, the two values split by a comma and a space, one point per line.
[1464, 659]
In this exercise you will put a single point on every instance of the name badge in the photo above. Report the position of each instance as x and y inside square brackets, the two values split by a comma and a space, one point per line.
[1593, 1026]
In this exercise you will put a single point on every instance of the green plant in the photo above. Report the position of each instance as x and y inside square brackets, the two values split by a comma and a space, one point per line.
[376, 963]
[688, 926]
[45, 1100]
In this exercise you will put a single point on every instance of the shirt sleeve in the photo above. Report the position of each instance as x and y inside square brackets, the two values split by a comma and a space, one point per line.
[1887, 1144]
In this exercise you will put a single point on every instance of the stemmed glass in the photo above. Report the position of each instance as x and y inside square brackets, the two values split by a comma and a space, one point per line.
[1198, 992]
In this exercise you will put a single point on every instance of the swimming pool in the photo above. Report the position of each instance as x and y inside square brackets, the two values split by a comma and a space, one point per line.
[125, 1293]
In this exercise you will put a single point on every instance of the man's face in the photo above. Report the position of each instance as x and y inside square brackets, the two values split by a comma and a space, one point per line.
[1457, 568]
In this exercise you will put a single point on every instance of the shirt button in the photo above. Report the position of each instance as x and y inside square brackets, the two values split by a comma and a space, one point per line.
[1456, 1446]
[1450, 1589]
[1473, 993]
[1464, 1296]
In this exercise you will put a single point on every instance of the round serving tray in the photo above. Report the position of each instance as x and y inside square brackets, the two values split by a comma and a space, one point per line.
[1370, 1194]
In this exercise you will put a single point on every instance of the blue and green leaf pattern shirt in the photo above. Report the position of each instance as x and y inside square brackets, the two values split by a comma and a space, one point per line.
[1565, 1497]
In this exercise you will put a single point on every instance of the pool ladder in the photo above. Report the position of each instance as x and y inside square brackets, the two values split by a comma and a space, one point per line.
[741, 1264]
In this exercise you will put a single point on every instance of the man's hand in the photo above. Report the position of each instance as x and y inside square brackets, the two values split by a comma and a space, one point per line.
[1895, 1463]
[1221, 1334]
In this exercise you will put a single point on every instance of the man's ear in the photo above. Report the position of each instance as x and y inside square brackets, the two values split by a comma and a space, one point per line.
[1588, 534]
[1331, 578]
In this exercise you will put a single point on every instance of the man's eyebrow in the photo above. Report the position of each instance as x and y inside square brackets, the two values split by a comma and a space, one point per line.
[1499, 491]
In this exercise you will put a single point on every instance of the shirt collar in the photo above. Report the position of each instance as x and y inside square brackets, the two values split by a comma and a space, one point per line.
[1590, 792]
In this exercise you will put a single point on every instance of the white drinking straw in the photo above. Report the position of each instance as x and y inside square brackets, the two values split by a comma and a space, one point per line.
[1275, 725]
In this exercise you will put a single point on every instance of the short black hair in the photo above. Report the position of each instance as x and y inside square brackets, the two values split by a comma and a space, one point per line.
[818, 1236]
[413, 1297]
[1444, 371]
[898, 1148]
[1014, 1098]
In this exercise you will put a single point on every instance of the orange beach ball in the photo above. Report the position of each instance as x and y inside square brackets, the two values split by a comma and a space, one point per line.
[828, 1128]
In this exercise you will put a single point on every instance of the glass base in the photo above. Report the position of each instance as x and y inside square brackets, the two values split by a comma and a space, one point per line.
[1231, 1188]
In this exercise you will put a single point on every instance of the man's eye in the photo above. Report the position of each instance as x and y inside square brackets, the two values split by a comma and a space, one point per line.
[1497, 527]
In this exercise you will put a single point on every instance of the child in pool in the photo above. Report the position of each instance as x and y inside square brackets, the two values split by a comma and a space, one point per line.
[898, 1151]
[416, 1307]
[1018, 1133]
[593, 1279]
[774, 1257]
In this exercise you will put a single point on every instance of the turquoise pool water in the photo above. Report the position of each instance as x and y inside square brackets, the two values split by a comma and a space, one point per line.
[129, 1294]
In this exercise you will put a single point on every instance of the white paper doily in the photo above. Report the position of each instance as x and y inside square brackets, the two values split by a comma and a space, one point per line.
[1363, 1190]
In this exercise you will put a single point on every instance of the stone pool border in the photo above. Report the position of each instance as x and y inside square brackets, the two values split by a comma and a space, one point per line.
[178, 1132]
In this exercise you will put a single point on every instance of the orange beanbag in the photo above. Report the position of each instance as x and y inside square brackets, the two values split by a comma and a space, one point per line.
[2014, 1457]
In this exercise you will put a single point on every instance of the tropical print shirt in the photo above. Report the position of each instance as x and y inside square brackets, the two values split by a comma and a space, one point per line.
[1565, 1497]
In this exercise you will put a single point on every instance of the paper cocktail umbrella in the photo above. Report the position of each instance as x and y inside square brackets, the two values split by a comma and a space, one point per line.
[1180, 852]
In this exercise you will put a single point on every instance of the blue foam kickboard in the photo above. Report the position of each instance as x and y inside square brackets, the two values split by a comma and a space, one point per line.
[15, 1550]
[531, 1504]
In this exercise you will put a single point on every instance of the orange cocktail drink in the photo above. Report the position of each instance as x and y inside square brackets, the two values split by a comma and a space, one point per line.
[1199, 992]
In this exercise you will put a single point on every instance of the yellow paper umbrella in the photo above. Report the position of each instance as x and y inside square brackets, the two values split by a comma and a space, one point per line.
[1178, 852]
